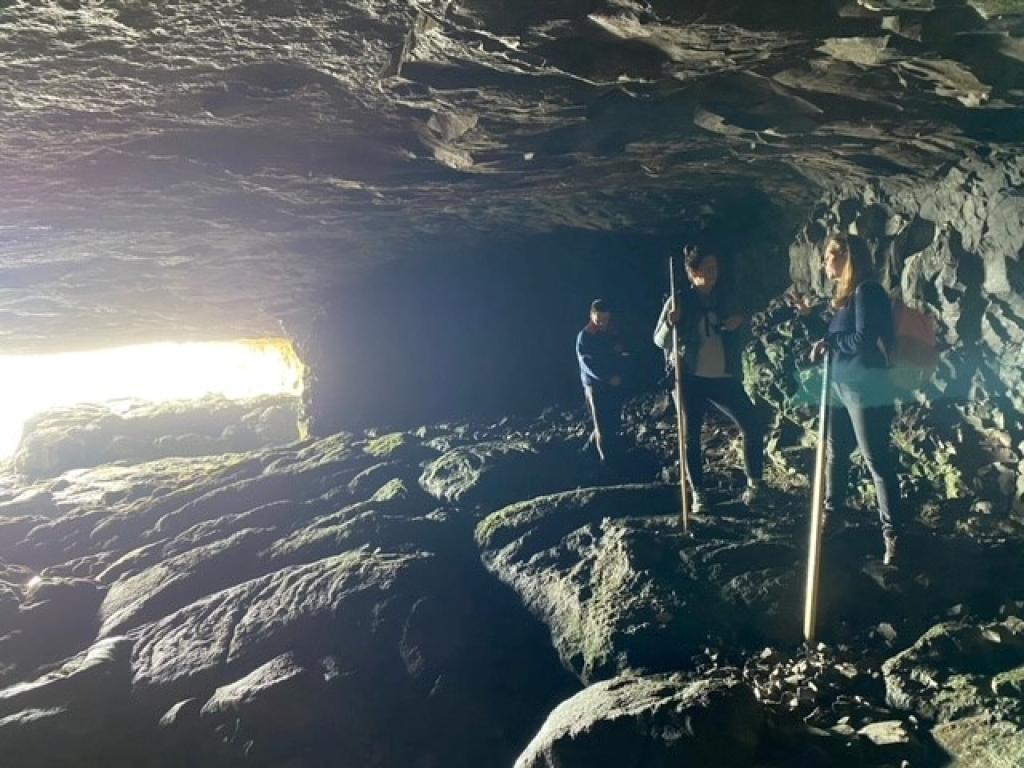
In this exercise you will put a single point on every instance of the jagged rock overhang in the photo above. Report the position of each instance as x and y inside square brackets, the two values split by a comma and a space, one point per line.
[187, 168]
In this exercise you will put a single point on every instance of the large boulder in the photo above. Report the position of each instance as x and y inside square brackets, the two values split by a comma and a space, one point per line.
[313, 609]
[496, 473]
[981, 741]
[76, 715]
[967, 677]
[353, 644]
[56, 618]
[959, 670]
[621, 588]
[650, 722]
[177, 581]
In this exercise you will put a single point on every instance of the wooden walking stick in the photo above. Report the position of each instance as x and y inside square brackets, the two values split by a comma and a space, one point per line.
[677, 365]
[817, 507]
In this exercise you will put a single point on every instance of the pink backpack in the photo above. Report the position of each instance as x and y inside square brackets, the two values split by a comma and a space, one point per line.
[912, 353]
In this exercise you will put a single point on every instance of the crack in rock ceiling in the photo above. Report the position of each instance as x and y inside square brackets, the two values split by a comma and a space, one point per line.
[181, 167]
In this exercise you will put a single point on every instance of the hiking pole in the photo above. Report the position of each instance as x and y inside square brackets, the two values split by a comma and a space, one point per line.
[677, 365]
[817, 506]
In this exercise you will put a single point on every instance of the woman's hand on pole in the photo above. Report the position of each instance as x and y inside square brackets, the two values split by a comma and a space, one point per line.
[798, 301]
[818, 350]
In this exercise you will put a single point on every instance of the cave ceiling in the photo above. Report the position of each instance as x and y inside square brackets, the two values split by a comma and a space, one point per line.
[197, 169]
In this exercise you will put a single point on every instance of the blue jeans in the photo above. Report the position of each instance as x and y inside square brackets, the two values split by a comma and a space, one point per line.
[852, 423]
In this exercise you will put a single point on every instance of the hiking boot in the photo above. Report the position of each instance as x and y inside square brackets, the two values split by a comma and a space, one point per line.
[698, 502]
[827, 512]
[889, 558]
[832, 513]
[753, 491]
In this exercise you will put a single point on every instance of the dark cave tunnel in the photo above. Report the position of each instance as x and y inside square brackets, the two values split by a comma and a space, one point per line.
[437, 569]
[489, 331]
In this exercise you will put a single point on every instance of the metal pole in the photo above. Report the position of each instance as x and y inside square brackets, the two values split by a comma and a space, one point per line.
[817, 505]
[677, 365]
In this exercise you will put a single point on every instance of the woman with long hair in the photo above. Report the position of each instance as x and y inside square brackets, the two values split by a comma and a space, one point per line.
[862, 403]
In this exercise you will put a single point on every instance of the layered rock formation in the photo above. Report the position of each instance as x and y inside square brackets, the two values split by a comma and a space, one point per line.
[425, 197]
[953, 247]
[384, 599]
[307, 604]
[213, 171]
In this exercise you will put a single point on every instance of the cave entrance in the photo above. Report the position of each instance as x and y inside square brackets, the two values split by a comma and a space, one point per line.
[122, 377]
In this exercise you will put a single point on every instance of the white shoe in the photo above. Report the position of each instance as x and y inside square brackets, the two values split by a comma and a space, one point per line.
[698, 503]
[752, 492]
[889, 558]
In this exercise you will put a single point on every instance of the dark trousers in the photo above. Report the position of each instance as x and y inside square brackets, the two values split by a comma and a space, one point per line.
[852, 423]
[605, 405]
[729, 397]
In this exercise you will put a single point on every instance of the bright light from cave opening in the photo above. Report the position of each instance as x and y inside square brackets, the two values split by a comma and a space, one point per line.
[154, 373]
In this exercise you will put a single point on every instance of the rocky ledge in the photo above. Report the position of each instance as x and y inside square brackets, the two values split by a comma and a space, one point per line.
[467, 595]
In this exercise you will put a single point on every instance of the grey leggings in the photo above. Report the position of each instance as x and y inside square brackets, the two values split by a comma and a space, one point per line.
[854, 424]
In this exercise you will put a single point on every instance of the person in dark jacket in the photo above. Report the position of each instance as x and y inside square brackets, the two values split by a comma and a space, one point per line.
[862, 402]
[712, 373]
[602, 357]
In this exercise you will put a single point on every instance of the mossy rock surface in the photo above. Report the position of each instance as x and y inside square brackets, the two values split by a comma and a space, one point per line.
[990, 8]
[957, 670]
[669, 721]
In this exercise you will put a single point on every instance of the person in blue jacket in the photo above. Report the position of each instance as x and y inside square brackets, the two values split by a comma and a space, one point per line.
[862, 406]
[602, 357]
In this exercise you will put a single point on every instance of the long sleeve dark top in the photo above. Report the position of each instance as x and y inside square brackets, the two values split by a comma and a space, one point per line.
[694, 310]
[600, 355]
[858, 332]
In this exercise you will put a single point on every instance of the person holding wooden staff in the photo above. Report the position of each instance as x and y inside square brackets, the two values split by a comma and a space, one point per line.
[862, 407]
[712, 374]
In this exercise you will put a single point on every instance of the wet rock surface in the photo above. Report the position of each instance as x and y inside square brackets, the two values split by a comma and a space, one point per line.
[75, 438]
[301, 603]
[270, 609]
[966, 677]
[650, 721]
[174, 592]
[79, 713]
[622, 588]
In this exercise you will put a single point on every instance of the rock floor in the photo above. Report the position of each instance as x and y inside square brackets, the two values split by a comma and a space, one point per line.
[485, 595]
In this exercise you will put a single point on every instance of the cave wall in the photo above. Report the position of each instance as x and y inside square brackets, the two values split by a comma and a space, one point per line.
[469, 335]
[489, 330]
[953, 246]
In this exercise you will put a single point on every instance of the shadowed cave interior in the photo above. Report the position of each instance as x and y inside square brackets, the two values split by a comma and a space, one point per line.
[418, 561]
